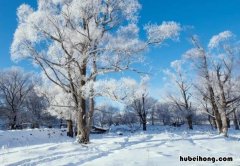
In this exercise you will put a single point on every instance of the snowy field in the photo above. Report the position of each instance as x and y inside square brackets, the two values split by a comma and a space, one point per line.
[158, 146]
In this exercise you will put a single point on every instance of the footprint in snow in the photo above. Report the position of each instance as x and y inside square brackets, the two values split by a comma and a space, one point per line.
[165, 155]
[52, 148]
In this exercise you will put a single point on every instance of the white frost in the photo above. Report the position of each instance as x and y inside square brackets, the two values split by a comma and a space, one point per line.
[217, 39]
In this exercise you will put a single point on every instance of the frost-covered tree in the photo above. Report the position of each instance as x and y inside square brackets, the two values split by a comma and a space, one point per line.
[163, 113]
[132, 94]
[15, 86]
[216, 81]
[35, 106]
[181, 100]
[104, 115]
[59, 103]
[74, 41]
[143, 106]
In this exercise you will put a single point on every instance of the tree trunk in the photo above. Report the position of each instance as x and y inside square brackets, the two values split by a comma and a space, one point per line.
[218, 122]
[83, 129]
[152, 117]
[84, 137]
[212, 99]
[210, 121]
[224, 124]
[144, 126]
[14, 124]
[69, 128]
[83, 125]
[189, 121]
[86, 118]
[61, 123]
[214, 122]
[163, 121]
[228, 122]
[235, 120]
[144, 114]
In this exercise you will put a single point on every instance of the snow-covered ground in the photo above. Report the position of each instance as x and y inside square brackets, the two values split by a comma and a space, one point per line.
[157, 146]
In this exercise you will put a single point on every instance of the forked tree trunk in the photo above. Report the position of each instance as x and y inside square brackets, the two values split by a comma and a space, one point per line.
[218, 121]
[212, 95]
[69, 128]
[217, 115]
[83, 125]
[86, 118]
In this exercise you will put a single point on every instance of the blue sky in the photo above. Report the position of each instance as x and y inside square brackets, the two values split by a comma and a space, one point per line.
[207, 18]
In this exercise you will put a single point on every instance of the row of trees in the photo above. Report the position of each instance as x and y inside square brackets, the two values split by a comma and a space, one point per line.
[25, 100]
[208, 79]
[76, 42]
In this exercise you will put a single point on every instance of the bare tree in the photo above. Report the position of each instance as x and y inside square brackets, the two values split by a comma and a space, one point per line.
[15, 85]
[183, 103]
[35, 106]
[104, 115]
[162, 112]
[143, 106]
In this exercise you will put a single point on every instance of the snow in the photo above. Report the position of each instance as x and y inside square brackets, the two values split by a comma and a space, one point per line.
[167, 30]
[158, 146]
[217, 39]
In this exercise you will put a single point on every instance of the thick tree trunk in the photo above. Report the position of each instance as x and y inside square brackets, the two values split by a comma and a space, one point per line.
[212, 95]
[85, 133]
[217, 115]
[83, 126]
[224, 124]
[86, 118]
[218, 122]
[83, 130]
[235, 120]
[84, 137]
[214, 122]
[85, 121]
[69, 128]
[81, 116]
[189, 121]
